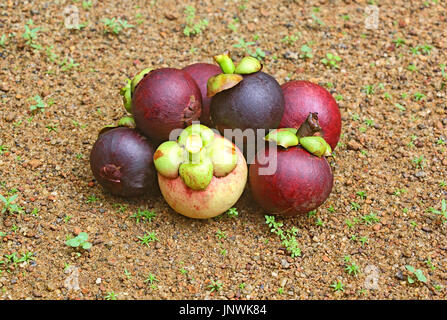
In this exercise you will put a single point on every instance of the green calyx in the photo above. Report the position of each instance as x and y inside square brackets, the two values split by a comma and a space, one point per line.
[284, 137]
[126, 121]
[196, 156]
[287, 137]
[127, 91]
[248, 65]
[225, 62]
[316, 145]
[231, 75]
[138, 77]
[222, 82]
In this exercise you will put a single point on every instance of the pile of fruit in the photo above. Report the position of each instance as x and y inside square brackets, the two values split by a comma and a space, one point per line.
[175, 136]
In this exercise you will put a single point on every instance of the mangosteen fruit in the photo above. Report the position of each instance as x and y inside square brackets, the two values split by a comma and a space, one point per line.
[244, 97]
[201, 72]
[202, 174]
[301, 179]
[303, 97]
[163, 100]
[122, 162]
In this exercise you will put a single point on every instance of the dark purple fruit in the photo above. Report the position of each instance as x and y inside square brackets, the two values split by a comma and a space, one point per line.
[122, 162]
[164, 100]
[201, 72]
[257, 102]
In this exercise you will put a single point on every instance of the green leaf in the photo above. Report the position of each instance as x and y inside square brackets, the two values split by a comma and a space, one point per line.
[410, 268]
[83, 236]
[420, 275]
[410, 280]
[86, 245]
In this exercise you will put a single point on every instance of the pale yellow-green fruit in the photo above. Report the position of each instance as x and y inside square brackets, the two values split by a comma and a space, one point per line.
[219, 196]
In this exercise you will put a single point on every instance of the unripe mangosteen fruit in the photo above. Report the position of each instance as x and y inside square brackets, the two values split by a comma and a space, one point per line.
[122, 162]
[202, 174]
[201, 72]
[165, 99]
[301, 182]
[303, 97]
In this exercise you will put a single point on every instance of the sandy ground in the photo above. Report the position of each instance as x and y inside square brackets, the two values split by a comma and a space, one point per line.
[390, 167]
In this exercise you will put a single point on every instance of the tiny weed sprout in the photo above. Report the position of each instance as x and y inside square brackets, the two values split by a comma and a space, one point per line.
[331, 60]
[442, 212]
[147, 238]
[9, 206]
[352, 269]
[80, 241]
[370, 219]
[39, 104]
[115, 25]
[215, 286]
[30, 34]
[419, 162]
[337, 286]
[3, 149]
[417, 272]
[2, 41]
[143, 215]
[306, 52]
[111, 296]
[232, 212]
[192, 26]
[287, 237]
[399, 42]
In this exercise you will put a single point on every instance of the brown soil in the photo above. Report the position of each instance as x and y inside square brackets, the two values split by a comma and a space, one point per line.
[49, 169]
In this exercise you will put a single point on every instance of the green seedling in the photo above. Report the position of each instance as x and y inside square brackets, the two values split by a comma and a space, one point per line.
[337, 286]
[233, 25]
[147, 238]
[115, 25]
[368, 89]
[68, 64]
[316, 19]
[3, 149]
[417, 272]
[419, 162]
[39, 104]
[144, 215]
[352, 269]
[221, 234]
[80, 241]
[419, 96]
[361, 194]
[111, 296]
[215, 286]
[3, 41]
[370, 219]
[442, 212]
[331, 60]
[355, 206]
[290, 40]
[9, 206]
[306, 52]
[30, 34]
[192, 27]
[232, 212]
[399, 42]
[287, 237]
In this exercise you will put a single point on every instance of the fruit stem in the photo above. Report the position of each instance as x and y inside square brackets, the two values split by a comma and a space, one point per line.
[310, 126]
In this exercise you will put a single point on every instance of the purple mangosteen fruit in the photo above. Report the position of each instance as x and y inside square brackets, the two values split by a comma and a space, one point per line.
[303, 178]
[302, 97]
[122, 162]
[163, 100]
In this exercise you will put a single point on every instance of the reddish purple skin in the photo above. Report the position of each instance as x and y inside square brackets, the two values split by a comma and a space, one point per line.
[164, 100]
[122, 162]
[201, 72]
[303, 97]
[301, 183]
